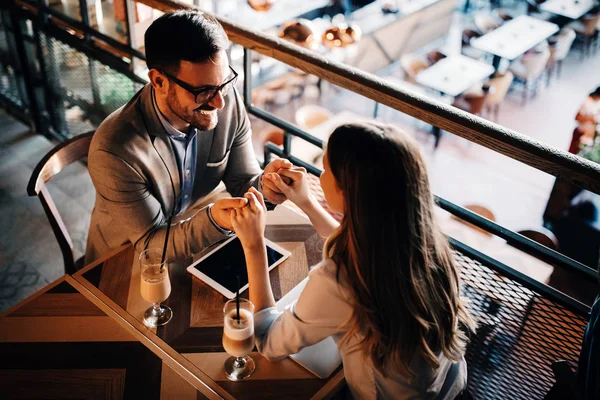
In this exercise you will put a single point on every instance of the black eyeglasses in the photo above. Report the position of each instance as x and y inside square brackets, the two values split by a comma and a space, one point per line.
[205, 94]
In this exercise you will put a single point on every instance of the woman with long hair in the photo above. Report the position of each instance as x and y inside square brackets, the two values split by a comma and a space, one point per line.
[387, 289]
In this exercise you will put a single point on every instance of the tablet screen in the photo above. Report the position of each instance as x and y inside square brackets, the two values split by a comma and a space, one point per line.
[229, 262]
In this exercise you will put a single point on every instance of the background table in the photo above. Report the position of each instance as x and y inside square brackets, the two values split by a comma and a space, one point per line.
[514, 37]
[573, 9]
[454, 74]
[193, 337]
[60, 343]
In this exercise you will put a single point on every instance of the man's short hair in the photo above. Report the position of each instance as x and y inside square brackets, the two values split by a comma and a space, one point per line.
[184, 35]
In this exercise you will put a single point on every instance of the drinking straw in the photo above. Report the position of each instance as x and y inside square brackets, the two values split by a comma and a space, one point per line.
[237, 299]
[164, 252]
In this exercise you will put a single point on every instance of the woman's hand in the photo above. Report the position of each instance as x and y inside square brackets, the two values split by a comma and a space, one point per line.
[297, 189]
[249, 222]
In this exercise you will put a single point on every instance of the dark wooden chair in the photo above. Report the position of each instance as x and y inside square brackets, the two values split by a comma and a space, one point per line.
[435, 56]
[481, 211]
[55, 161]
[541, 235]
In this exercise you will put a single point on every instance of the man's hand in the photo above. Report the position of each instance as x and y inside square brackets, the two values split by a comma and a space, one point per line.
[270, 191]
[221, 208]
[295, 187]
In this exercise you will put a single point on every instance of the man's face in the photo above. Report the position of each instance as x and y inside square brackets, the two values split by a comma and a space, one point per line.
[183, 104]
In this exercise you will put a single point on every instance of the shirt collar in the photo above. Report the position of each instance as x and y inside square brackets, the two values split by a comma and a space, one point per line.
[170, 129]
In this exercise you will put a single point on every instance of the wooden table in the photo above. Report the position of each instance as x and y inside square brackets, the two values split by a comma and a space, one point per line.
[193, 337]
[62, 342]
[573, 9]
[454, 74]
[514, 38]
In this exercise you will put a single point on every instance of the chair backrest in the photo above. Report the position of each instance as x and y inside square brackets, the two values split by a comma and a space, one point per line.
[564, 41]
[53, 162]
[502, 14]
[541, 235]
[476, 102]
[535, 63]
[467, 35]
[310, 115]
[485, 22]
[501, 84]
[482, 211]
[412, 64]
[590, 23]
[435, 56]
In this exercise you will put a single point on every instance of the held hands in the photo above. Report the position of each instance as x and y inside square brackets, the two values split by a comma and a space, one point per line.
[249, 222]
[221, 208]
[292, 183]
[271, 192]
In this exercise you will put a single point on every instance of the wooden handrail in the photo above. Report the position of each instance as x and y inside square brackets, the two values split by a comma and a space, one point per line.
[517, 146]
[493, 136]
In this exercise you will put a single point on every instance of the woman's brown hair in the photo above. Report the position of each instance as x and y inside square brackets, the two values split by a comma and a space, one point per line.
[402, 278]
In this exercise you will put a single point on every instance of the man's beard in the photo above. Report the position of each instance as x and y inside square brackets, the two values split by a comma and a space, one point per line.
[200, 121]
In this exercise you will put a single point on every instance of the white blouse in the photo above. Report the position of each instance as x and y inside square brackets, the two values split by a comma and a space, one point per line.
[323, 310]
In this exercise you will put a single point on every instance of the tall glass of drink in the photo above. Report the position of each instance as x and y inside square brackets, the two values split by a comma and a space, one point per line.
[155, 287]
[238, 339]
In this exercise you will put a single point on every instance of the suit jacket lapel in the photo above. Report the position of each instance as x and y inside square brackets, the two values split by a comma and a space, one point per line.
[161, 143]
[205, 140]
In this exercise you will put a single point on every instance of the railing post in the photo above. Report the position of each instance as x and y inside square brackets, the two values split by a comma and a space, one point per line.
[247, 77]
[85, 18]
[287, 144]
[27, 73]
[130, 21]
[266, 156]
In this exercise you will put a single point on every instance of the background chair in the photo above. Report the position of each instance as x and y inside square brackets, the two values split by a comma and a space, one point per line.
[533, 9]
[479, 210]
[559, 51]
[529, 69]
[473, 102]
[55, 161]
[310, 115]
[466, 48]
[485, 22]
[435, 56]
[412, 64]
[541, 235]
[500, 84]
[586, 29]
[502, 15]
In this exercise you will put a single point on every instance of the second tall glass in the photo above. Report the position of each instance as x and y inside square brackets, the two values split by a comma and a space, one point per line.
[238, 339]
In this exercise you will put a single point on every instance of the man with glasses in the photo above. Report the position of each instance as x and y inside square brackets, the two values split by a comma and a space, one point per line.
[165, 151]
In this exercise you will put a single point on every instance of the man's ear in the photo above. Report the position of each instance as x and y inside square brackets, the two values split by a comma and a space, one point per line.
[158, 81]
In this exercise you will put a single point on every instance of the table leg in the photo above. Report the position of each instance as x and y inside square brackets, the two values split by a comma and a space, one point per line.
[496, 62]
[436, 132]
[467, 5]
[375, 110]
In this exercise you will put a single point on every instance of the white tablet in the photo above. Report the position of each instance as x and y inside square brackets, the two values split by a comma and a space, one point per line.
[221, 266]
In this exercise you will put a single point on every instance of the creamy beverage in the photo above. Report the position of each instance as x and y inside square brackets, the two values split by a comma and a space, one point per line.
[155, 285]
[238, 336]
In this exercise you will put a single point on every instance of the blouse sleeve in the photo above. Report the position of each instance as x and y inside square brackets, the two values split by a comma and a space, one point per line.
[322, 310]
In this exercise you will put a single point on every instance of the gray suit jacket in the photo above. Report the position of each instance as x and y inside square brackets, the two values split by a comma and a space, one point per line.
[133, 168]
